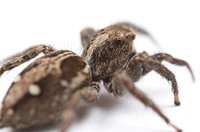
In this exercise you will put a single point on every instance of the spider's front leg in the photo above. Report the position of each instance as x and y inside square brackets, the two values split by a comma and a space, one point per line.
[141, 64]
[166, 57]
[121, 78]
[88, 94]
[25, 56]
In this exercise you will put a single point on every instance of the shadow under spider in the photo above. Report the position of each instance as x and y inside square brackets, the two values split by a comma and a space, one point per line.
[106, 102]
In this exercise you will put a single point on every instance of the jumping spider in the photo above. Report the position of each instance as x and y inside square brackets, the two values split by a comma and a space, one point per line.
[52, 86]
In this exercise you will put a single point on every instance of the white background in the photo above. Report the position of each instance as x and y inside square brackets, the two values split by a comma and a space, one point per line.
[174, 24]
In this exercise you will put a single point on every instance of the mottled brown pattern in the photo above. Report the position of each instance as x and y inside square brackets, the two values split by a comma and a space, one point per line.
[106, 56]
[46, 73]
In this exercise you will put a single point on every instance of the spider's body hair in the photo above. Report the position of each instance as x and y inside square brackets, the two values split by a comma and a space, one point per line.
[109, 50]
[52, 86]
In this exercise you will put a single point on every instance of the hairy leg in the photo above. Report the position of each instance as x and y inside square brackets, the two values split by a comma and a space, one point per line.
[25, 56]
[69, 113]
[141, 64]
[125, 81]
[168, 75]
[1, 124]
[166, 57]
[86, 36]
[88, 94]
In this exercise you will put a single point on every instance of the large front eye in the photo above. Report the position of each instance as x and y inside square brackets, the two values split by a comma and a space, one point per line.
[119, 41]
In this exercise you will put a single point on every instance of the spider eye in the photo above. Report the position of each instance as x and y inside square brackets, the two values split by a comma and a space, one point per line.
[119, 41]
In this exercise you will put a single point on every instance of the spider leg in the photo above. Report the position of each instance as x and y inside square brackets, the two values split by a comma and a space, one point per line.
[88, 93]
[86, 36]
[1, 124]
[122, 78]
[148, 63]
[167, 74]
[23, 57]
[171, 59]
[69, 113]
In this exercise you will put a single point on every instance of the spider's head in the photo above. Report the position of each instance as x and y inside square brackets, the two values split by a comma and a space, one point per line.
[110, 48]
[119, 36]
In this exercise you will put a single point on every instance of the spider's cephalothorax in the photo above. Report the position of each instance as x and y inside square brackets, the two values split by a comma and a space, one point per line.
[109, 49]
[52, 86]
[112, 49]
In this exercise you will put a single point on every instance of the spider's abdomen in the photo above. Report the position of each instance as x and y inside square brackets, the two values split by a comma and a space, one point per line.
[40, 93]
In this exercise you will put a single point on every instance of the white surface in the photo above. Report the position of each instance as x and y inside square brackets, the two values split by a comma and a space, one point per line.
[175, 25]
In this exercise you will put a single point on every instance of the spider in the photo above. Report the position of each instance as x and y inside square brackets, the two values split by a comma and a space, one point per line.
[52, 86]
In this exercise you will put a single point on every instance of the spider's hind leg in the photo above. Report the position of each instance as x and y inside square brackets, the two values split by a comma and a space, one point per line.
[88, 94]
[1, 125]
[23, 57]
